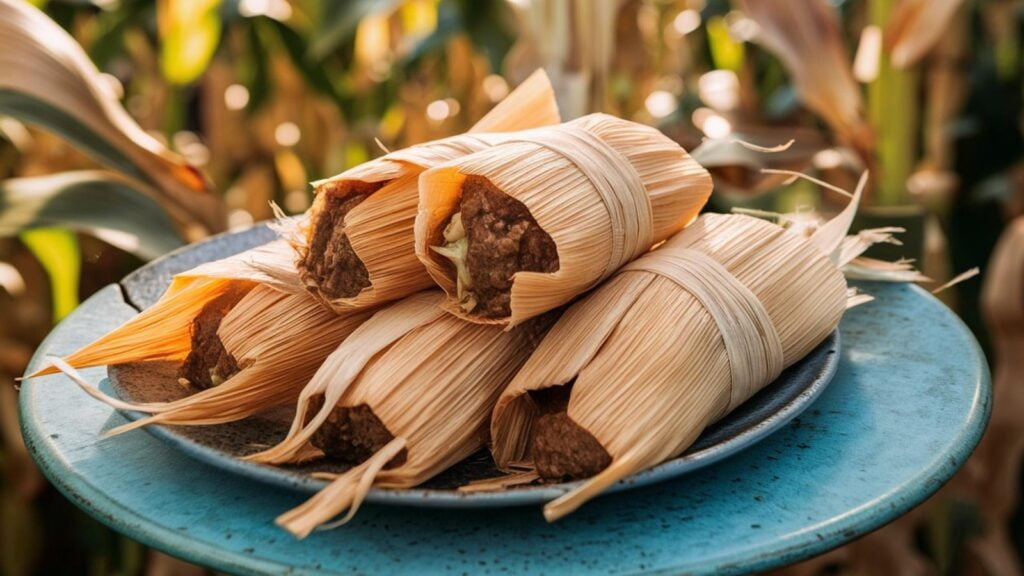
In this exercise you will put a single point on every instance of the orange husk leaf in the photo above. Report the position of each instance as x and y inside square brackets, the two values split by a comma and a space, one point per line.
[267, 333]
[163, 331]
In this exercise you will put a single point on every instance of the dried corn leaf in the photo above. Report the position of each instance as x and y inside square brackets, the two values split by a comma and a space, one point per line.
[47, 79]
[915, 26]
[806, 36]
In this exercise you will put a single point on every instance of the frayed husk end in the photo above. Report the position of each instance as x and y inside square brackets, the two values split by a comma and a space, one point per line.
[346, 492]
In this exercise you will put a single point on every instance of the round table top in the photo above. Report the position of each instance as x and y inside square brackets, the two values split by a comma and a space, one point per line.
[907, 407]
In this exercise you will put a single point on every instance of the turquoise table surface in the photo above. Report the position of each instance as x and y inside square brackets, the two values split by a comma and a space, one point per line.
[907, 407]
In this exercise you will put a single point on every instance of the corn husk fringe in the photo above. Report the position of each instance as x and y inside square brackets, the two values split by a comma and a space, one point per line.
[163, 331]
[380, 228]
[564, 176]
[653, 363]
[430, 378]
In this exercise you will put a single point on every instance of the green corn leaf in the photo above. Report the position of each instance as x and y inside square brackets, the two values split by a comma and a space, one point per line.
[94, 202]
[340, 20]
[57, 251]
[726, 52]
[190, 32]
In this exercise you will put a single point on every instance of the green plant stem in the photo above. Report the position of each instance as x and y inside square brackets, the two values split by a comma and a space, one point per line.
[893, 106]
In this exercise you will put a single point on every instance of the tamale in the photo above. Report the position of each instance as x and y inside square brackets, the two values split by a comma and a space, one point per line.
[406, 396]
[165, 330]
[357, 247]
[632, 374]
[266, 334]
[527, 225]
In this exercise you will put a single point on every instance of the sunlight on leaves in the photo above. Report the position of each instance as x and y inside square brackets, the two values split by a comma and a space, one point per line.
[58, 253]
[189, 33]
[726, 52]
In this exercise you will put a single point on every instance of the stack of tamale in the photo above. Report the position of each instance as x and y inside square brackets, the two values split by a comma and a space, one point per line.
[588, 324]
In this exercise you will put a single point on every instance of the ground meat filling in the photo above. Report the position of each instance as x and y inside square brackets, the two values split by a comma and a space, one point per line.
[503, 238]
[331, 262]
[208, 363]
[351, 434]
[562, 450]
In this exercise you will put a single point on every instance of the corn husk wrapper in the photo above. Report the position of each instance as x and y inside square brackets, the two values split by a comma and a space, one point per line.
[654, 363]
[603, 188]
[163, 331]
[380, 228]
[429, 377]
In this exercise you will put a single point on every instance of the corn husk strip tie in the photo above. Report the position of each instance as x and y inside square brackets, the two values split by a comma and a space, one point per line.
[751, 341]
[616, 182]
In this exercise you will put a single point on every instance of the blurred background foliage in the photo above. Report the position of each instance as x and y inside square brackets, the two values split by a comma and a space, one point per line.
[234, 104]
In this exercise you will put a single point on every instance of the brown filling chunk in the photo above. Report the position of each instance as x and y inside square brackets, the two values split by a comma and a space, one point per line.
[503, 238]
[562, 450]
[351, 434]
[331, 261]
[208, 363]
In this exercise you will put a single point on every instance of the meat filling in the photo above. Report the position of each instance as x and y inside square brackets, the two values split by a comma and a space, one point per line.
[562, 450]
[331, 262]
[493, 237]
[351, 434]
[208, 363]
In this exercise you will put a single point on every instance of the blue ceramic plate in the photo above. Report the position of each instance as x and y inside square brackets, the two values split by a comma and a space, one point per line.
[221, 445]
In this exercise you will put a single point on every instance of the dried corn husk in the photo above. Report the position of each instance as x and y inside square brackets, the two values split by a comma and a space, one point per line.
[163, 331]
[380, 227]
[430, 378]
[604, 189]
[267, 332]
[653, 363]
